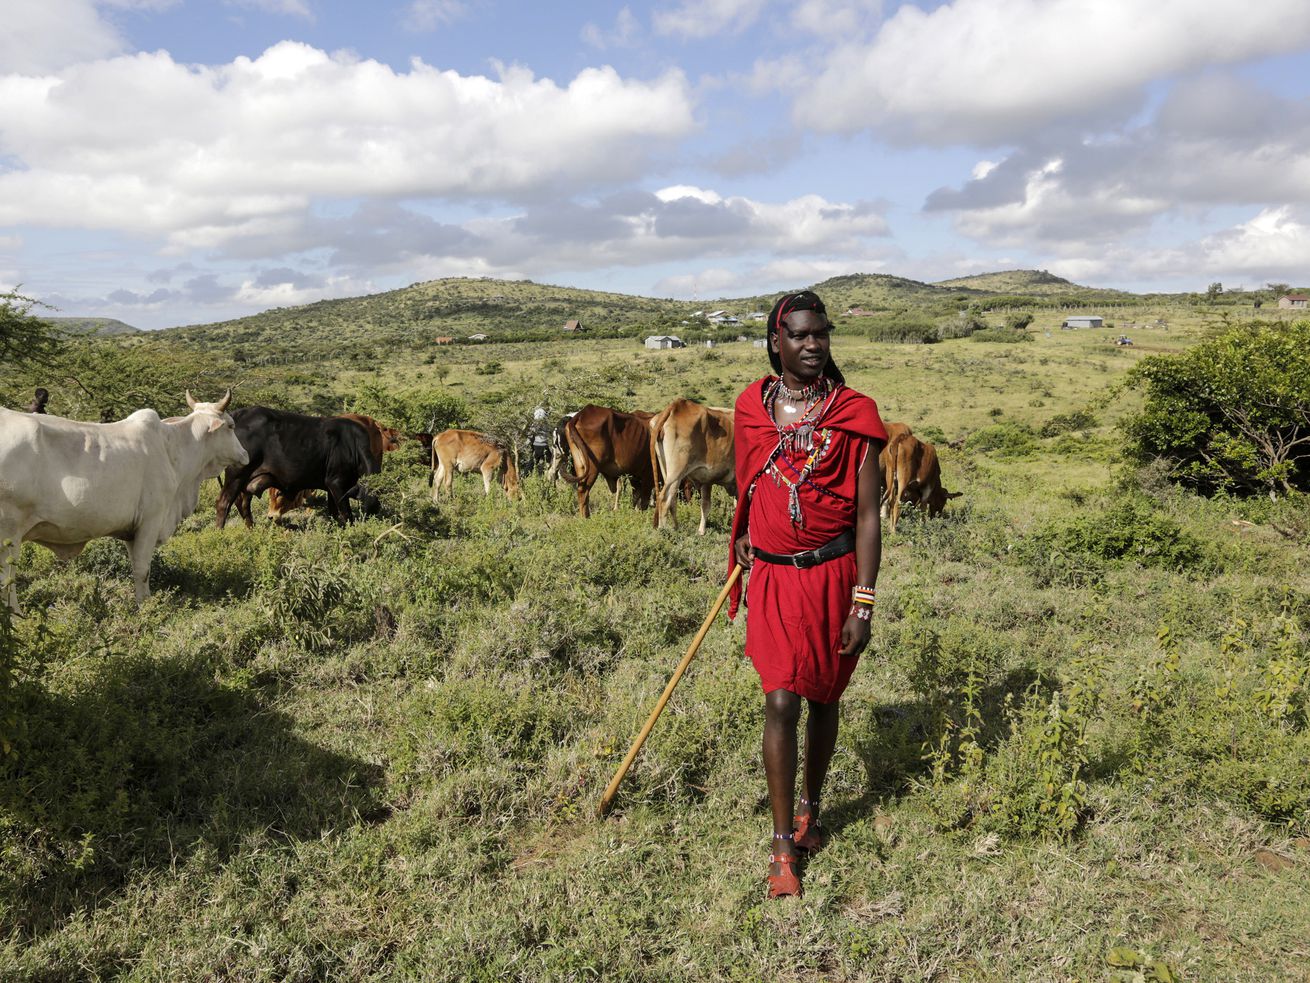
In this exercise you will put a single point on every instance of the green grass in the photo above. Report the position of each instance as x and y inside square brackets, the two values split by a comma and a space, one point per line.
[375, 753]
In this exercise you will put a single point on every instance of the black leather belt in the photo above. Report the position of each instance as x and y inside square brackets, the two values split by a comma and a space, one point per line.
[833, 548]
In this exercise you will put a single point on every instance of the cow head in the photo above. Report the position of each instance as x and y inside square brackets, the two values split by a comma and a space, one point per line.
[937, 500]
[213, 426]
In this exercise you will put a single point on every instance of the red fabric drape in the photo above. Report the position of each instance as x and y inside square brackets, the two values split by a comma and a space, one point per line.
[793, 631]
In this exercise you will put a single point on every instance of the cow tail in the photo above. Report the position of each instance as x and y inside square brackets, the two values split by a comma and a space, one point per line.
[572, 439]
[656, 435]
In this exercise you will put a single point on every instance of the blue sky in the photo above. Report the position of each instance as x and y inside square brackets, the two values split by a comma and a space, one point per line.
[172, 162]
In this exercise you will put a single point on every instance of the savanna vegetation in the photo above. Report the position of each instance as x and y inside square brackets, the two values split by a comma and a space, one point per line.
[1078, 746]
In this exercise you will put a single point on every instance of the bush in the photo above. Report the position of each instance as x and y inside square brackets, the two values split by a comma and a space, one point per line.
[1063, 423]
[1133, 530]
[910, 329]
[1003, 440]
[1001, 336]
[1232, 414]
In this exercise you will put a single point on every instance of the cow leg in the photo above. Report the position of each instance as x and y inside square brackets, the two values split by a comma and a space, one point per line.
[488, 470]
[141, 550]
[10, 540]
[232, 487]
[705, 491]
[243, 509]
[584, 498]
[340, 502]
[614, 490]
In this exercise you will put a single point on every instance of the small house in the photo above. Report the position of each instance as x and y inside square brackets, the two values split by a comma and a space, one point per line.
[760, 343]
[757, 316]
[1082, 321]
[664, 341]
[1296, 302]
[573, 326]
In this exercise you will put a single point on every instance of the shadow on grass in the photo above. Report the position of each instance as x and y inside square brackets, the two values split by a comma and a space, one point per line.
[892, 740]
[149, 764]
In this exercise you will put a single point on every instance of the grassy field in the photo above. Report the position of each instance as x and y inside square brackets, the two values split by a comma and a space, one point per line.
[1076, 749]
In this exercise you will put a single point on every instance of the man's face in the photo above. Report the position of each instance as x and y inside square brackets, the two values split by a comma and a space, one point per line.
[803, 343]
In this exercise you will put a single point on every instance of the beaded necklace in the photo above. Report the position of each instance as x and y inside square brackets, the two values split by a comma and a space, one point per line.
[803, 435]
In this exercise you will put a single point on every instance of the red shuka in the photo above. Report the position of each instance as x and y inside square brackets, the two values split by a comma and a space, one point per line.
[793, 630]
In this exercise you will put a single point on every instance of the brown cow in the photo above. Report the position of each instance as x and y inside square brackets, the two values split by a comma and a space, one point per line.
[609, 442]
[381, 440]
[887, 463]
[468, 450]
[691, 443]
[918, 478]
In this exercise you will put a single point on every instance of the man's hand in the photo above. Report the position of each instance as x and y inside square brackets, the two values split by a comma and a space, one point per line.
[854, 636]
[742, 549]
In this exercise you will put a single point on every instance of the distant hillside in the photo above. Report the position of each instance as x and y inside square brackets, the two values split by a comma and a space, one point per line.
[413, 317]
[1032, 282]
[92, 325]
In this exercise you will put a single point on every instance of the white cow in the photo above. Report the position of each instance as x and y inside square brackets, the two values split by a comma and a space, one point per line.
[64, 482]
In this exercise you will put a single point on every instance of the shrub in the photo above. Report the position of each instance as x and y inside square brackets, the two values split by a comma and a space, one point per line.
[1001, 336]
[1003, 440]
[1063, 423]
[908, 329]
[1231, 414]
[1132, 530]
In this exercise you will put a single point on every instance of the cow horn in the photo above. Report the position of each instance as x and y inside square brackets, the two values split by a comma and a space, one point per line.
[190, 400]
[222, 403]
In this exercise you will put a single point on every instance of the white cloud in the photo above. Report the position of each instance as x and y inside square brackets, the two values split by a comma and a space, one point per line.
[428, 15]
[208, 154]
[625, 31]
[991, 71]
[1215, 141]
[46, 35]
[703, 18]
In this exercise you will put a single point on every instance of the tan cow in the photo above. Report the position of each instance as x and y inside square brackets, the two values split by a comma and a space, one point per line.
[691, 442]
[887, 463]
[608, 442]
[468, 450]
[917, 477]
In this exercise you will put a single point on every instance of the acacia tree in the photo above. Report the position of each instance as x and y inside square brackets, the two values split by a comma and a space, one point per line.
[1231, 414]
[25, 339]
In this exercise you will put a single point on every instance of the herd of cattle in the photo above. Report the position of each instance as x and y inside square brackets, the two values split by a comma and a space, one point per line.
[65, 482]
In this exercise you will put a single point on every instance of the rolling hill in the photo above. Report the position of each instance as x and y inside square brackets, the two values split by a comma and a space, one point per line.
[520, 310]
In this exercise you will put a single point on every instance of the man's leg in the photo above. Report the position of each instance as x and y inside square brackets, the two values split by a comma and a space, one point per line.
[782, 712]
[820, 742]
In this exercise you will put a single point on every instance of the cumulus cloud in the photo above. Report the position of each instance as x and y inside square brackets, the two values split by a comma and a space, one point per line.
[208, 154]
[989, 72]
[47, 35]
[630, 228]
[775, 276]
[1216, 140]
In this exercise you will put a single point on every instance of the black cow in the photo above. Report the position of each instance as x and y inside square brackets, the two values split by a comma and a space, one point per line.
[293, 452]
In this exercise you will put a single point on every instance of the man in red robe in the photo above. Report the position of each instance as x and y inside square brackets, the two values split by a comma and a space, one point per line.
[807, 531]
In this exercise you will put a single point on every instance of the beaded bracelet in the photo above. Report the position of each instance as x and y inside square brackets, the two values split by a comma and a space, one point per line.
[863, 595]
[862, 611]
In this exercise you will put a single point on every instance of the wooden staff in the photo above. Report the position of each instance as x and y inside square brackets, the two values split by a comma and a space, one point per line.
[607, 799]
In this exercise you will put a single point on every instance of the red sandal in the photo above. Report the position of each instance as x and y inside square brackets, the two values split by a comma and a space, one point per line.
[785, 883]
[809, 831]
